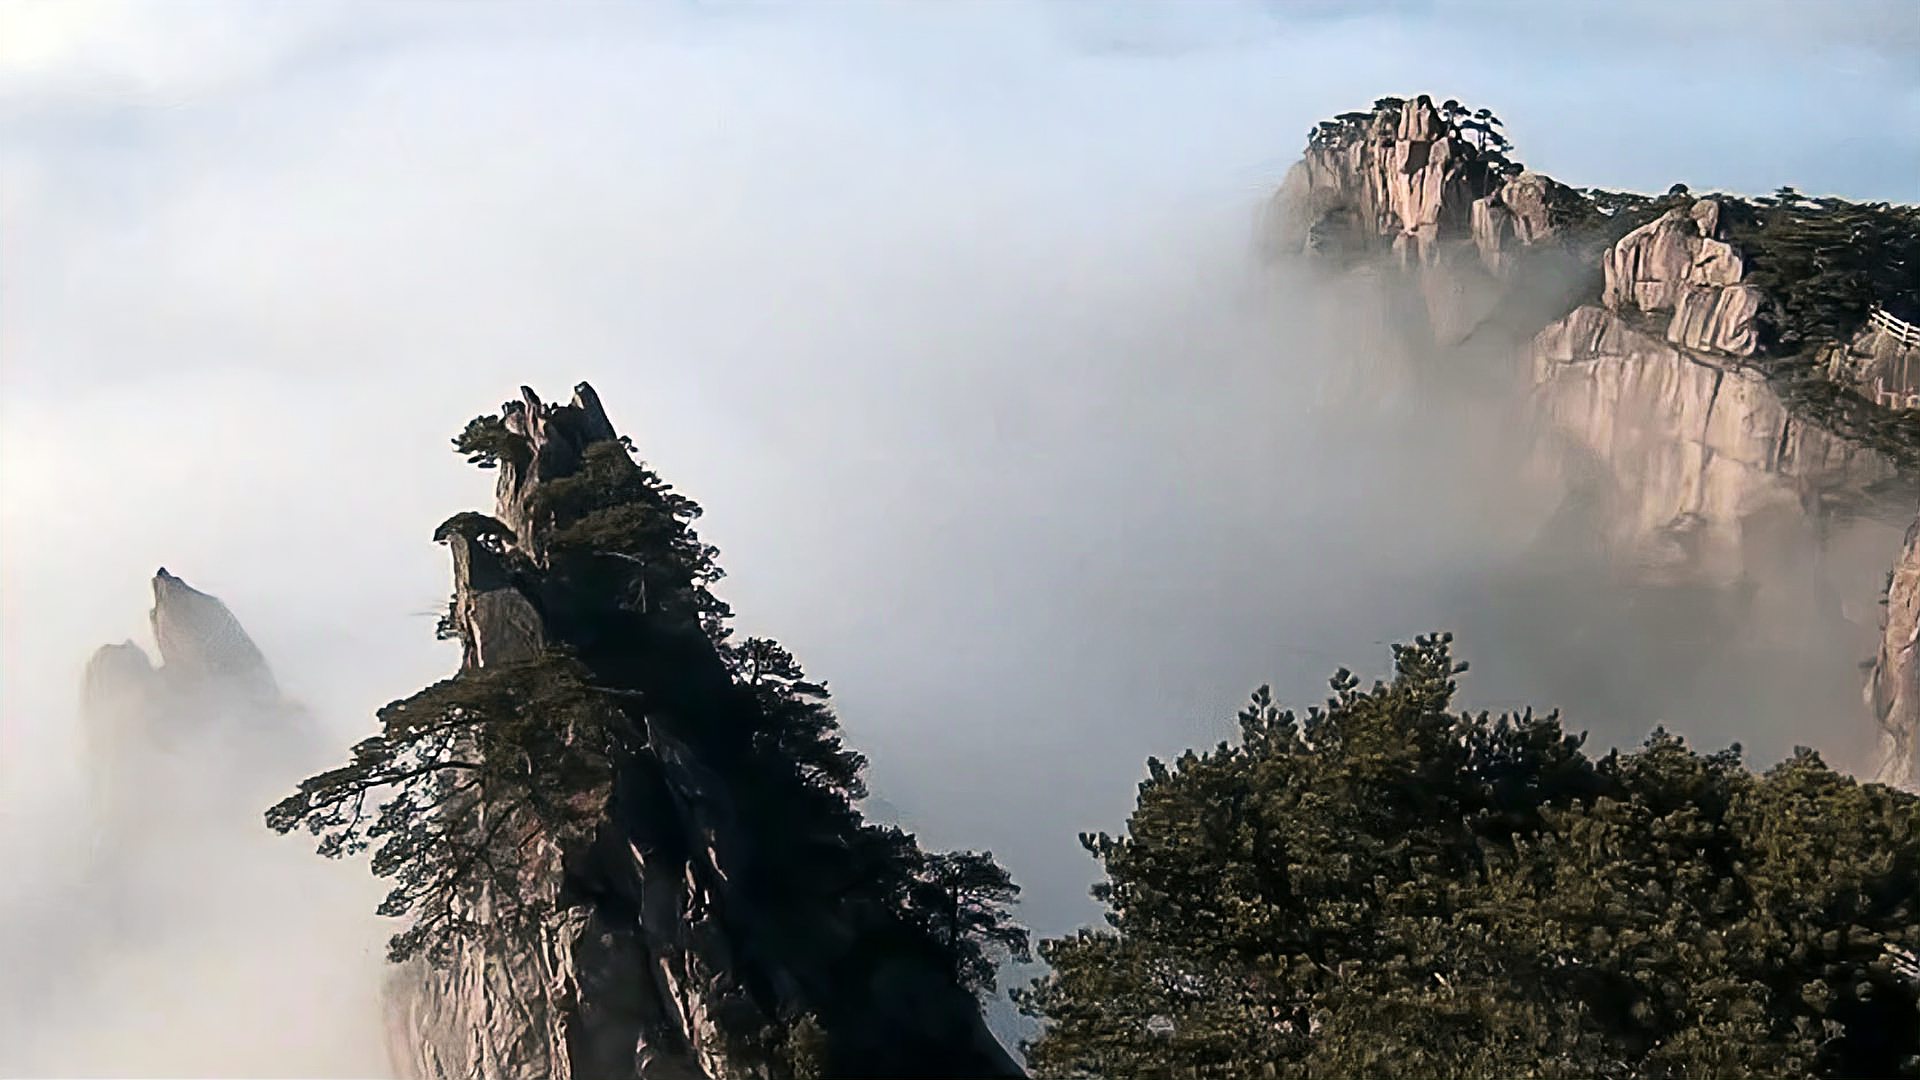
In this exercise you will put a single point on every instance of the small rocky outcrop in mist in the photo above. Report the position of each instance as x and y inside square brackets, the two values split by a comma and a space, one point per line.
[706, 913]
[211, 698]
[202, 647]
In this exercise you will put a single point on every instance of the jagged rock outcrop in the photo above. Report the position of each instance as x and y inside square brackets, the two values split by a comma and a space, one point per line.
[1402, 175]
[1517, 215]
[1679, 263]
[1698, 443]
[1701, 466]
[668, 949]
[1893, 688]
[212, 696]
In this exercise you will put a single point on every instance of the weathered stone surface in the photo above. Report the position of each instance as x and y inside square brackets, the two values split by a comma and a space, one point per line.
[1893, 689]
[558, 434]
[1651, 267]
[1698, 447]
[656, 959]
[1402, 179]
[1493, 233]
[1530, 196]
[200, 639]
[1519, 214]
[1722, 320]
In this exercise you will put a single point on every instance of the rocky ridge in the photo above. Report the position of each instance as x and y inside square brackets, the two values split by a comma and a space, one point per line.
[664, 951]
[1651, 375]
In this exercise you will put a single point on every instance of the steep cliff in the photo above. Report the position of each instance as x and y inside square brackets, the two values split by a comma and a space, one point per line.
[715, 909]
[1700, 450]
[1661, 379]
[1893, 690]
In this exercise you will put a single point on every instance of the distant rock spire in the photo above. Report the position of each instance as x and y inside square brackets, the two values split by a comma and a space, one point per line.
[211, 694]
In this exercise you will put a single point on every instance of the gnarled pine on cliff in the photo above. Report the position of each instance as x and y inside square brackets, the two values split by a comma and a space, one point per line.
[626, 844]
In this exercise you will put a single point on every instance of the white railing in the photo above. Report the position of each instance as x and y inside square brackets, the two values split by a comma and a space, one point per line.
[1903, 331]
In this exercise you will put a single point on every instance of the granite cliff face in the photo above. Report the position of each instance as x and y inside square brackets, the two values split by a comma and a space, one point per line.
[1404, 175]
[1701, 451]
[1893, 690]
[670, 943]
[1649, 381]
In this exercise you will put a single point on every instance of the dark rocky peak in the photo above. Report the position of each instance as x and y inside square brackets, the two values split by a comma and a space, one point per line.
[552, 439]
[716, 907]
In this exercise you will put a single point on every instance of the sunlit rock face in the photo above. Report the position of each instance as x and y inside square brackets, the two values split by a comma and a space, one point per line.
[1699, 453]
[1893, 691]
[1516, 216]
[1684, 467]
[1399, 176]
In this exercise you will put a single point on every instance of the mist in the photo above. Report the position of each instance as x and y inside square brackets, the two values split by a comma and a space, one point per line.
[951, 320]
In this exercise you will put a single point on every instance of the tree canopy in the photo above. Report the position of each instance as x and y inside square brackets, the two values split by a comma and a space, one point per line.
[1385, 888]
[642, 681]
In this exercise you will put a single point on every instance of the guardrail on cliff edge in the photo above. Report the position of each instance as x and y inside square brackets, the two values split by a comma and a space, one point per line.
[1903, 331]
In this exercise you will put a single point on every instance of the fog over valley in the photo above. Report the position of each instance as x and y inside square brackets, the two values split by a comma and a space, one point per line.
[955, 321]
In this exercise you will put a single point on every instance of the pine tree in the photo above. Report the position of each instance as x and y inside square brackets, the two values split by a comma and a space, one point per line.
[1383, 888]
[642, 726]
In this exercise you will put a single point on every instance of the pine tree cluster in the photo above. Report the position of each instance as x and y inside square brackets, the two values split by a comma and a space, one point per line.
[1384, 888]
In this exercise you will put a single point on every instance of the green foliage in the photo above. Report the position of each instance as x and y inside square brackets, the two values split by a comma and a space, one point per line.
[796, 724]
[613, 508]
[806, 1049]
[1384, 888]
[1826, 262]
[1595, 218]
[476, 788]
[462, 779]
[486, 442]
[960, 900]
